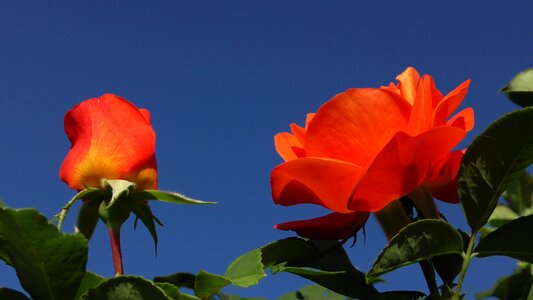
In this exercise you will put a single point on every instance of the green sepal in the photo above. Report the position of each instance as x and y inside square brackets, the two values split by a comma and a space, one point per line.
[88, 193]
[118, 188]
[418, 241]
[520, 88]
[494, 159]
[143, 212]
[512, 239]
[88, 217]
[170, 197]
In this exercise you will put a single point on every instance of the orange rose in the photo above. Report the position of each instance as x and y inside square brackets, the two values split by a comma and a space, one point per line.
[367, 147]
[111, 139]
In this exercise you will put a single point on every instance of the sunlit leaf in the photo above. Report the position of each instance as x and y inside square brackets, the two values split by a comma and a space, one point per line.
[126, 288]
[89, 281]
[49, 265]
[502, 215]
[512, 239]
[519, 193]
[495, 158]
[170, 290]
[520, 88]
[246, 270]
[416, 242]
[207, 285]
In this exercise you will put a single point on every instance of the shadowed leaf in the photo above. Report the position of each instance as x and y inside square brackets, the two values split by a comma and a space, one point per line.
[416, 242]
[495, 158]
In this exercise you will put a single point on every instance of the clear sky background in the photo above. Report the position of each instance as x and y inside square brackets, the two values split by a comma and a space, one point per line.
[220, 79]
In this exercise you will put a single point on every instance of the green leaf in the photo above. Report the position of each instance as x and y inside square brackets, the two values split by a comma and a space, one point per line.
[181, 280]
[118, 188]
[143, 212]
[49, 265]
[313, 292]
[207, 285]
[9, 294]
[448, 266]
[417, 241]
[126, 288]
[246, 270]
[89, 281]
[512, 239]
[170, 290]
[170, 197]
[402, 295]
[520, 88]
[494, 159]
[502, 215]
[294, 255]
[237, 297]
[519, 193]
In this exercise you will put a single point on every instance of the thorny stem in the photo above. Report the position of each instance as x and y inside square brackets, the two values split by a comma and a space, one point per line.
[114, 238]
[464, 267]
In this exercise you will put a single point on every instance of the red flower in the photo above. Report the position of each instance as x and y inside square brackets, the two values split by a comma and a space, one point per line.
[111, 139]
[367, 147]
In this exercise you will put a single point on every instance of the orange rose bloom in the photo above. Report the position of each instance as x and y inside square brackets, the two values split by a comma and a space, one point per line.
[367, 147]
[111, 139]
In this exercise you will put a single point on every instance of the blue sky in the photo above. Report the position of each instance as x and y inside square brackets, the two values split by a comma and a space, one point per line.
[220, 79]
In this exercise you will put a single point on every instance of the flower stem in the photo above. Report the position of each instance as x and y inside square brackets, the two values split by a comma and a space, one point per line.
[464, 267]
[114, 237]
[429, 274]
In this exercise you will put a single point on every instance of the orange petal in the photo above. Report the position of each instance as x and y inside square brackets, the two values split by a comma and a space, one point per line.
[449, 104]
[353, 126]
[110, 139]
[463, 119]
[403, 165]
[288, 146]
[334, 226]
[408, 85]
[443, 184]
[321, 181]
[427, 96]
[308, 119]
[299, 133]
